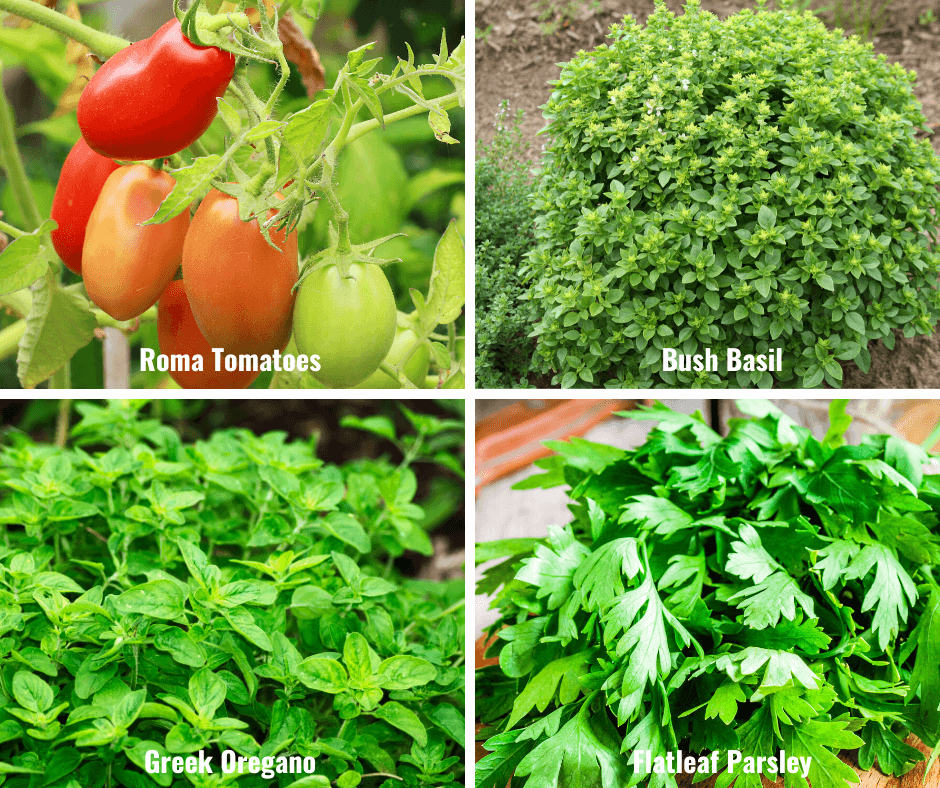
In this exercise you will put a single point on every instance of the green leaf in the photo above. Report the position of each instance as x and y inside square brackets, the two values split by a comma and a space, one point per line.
[766, 217]
[207, 692]
[59, 323]
[157, 599]
[31, 692]
[820, 741]
[489, 551]
[839, 422]
[552, 568]
[378, 425]
[347, 529]
[645, 638]
[448, 718]
[191, 182]
[446, 296]
[23, 262]
[749, 560]
[659, 514]
[325, 675]
[599, 577]
[405, 672]
[404, 719]
[890, 592]
[357, 659]
[540, 690]
[428, 182]
[775, 596]
[584, 752]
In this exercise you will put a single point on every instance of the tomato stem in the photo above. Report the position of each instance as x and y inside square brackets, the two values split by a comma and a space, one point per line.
[62, 377]
[106, 321]
[10, 338]
[450, 101]
[281, 84]
[103, 44]
[9, 229]
[215, 22]
[255, 109]
[13, 165]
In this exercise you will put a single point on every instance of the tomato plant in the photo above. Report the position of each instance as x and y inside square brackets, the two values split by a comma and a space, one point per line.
[83, 175]
[180, 335]
[239, 285]
[127, 264]
[181, 83]
[289, 174]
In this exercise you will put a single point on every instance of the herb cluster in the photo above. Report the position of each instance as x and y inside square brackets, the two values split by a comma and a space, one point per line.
[233, 593]
[503, 223]
[751, 183]
[756, 592]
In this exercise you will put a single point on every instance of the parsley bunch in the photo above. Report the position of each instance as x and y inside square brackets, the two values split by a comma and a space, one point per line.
[753, 183]
[235, 593]
[757, 592]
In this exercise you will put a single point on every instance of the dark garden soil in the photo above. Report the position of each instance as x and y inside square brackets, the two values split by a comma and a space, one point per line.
[521, 42]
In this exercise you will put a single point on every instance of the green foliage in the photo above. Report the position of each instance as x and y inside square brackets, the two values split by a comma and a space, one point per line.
[756, 592]
[503, 236]
[232, 593]
[752, 183]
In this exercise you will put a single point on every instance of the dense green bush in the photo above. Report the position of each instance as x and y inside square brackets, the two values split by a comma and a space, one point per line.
[503, 236]
[236, 593]
[753, 183]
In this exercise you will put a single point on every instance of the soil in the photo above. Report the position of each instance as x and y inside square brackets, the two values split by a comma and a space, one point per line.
[521, 44]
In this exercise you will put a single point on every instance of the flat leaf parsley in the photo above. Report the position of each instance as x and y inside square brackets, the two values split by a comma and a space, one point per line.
[754, 592]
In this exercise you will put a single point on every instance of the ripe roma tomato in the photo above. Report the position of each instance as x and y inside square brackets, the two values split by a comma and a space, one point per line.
[80, 182]
[125, 264]
[239, 287]
[348, 322]
[155, 97]
[416, 369]
[179, 334]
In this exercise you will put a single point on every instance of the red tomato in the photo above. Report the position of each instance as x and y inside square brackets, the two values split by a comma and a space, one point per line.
[239, 287]
[179, 334]
[80, 182]
[126, 265]
[155, 97]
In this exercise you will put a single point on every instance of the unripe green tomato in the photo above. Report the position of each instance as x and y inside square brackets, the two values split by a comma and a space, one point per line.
[348, 322]
[415, 370]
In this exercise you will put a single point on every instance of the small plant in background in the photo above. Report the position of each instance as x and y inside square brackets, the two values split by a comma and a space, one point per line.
[553, 16]
[863, 18]
[751, 183]
[927, 17]
[503, 236]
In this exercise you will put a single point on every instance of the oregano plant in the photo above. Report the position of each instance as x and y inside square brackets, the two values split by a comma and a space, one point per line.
[234, 593]
[752, 183]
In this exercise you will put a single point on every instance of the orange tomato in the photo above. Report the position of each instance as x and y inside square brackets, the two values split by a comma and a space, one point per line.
[179, 335]
[125, 264]
[239, 287]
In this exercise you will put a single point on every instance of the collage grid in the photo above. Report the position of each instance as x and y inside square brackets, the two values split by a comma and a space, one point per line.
[259, 583]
